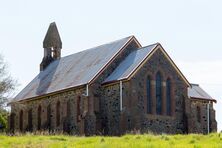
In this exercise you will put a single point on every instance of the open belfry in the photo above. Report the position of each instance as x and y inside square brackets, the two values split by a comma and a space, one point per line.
[111, 89]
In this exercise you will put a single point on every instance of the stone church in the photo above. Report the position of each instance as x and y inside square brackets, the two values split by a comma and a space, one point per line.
[111, 89]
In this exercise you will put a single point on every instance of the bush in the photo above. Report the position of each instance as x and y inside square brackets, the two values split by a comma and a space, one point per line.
[3, 121]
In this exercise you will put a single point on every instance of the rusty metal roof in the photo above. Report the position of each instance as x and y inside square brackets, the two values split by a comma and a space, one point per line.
[71, 71]
[196, 92]
[130, 63]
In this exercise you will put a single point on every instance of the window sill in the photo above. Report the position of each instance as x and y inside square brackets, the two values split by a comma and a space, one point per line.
[153, 116]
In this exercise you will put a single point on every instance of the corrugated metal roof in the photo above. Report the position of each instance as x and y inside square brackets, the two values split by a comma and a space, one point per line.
[71, 71]
[128, 65]
[196, 92]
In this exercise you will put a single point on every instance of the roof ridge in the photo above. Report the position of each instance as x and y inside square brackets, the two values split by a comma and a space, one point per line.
[98, 46]
[72, 70]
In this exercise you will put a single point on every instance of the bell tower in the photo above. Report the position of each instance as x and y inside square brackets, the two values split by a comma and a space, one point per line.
[52, 45]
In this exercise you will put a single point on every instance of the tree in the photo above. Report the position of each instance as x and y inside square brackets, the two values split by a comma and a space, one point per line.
[7, 85]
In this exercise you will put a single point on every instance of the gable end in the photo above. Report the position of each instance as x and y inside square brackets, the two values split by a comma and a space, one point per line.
[159, 46]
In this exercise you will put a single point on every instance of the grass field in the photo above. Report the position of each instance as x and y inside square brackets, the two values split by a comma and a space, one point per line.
[127, 141]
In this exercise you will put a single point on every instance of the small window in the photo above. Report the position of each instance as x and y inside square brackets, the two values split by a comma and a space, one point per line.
[49, 117]
[30, 120]
[21, 120]
[78, 109]
[149, 99]
[12, 122]
[39, 117]
[58, 113]
[198, 114]
[68, 111]
[168, 97]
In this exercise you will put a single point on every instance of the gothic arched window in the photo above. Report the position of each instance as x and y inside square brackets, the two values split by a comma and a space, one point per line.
[158, 94]
[21, 120]
[148, 94]
[12, 122]
[30, 120]
[198, 114]
[68, 111]
[168, 97]
[58, 113]
[78, 109]
[49, 117]
[39, 117]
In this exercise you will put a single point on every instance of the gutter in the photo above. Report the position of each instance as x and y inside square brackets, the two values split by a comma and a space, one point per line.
[203, 99]
[45, 95]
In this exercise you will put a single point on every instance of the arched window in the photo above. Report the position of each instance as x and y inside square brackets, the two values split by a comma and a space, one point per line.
[78, 109]
[158, 94]
[198, 114]
[30, 120]
[58, 113]
[68, 111]
[49, 117]
[21, 120]
[148, 93]
[39, 117]
[12, 122]
[168, 97]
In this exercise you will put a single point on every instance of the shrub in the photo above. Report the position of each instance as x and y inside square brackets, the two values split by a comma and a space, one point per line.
[3, 123]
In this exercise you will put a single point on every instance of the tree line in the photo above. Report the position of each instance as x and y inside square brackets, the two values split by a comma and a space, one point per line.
[7, 85]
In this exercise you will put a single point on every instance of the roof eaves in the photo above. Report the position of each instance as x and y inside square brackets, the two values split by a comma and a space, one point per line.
[46, 95]
[204, 99]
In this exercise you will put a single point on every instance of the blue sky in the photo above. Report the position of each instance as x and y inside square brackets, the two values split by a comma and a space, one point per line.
[190, 31]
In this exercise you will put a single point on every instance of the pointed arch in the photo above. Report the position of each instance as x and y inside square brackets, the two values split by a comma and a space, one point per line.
[12, 122]
[68, 109]
[58, 113]
[49, 117]
[30, 120]
[168, 97]
[78, 109]
[39, 117]
[148, 95]
[198, 114]
[158, 93]
[21, 120]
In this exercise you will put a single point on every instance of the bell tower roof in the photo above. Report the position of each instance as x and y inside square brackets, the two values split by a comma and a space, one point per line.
[52, 37]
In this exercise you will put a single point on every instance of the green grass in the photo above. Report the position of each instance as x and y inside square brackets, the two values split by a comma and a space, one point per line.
[126, 141]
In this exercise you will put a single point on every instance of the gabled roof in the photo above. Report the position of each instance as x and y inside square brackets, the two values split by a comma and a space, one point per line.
[73, 70]
[128, 68]
[130, 63]
[196, 92]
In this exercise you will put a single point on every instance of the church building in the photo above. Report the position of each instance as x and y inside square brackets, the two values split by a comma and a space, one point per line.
[112, 89]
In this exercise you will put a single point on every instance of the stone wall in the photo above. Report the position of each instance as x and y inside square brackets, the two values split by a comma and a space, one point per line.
[68, 116]
[93, 120]
[100, 111]
[97, 89]
[118, 121]
[199, 117]
[176, 122]
[134, 116]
